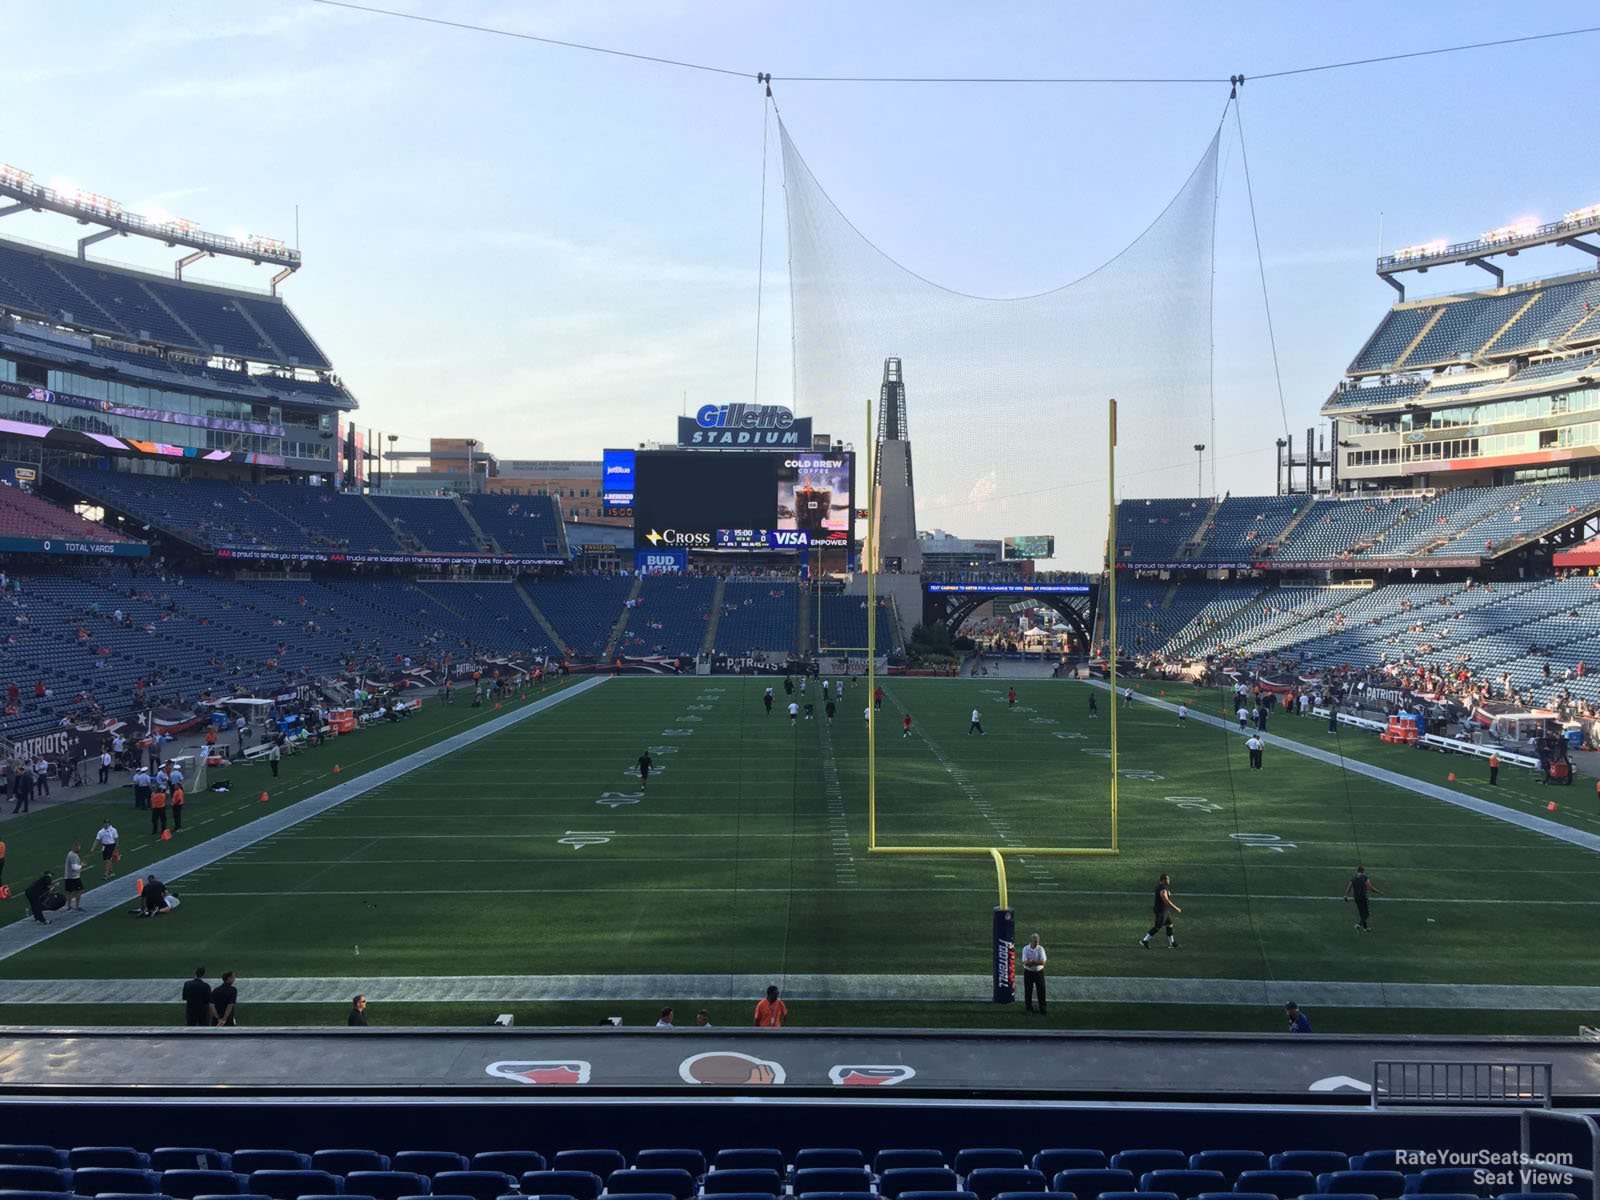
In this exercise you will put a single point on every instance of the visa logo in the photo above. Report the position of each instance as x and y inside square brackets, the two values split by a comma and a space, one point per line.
[791, 538]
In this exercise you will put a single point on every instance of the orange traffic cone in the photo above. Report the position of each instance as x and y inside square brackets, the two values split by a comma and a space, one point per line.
[335, 768]
[1551, 807]
[497, 708]
[1451, 777]
[263, 797]
[138, 887]
[5, 892]
[166, 835]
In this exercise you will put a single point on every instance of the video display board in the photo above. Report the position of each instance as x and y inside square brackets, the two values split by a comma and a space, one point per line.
[742, 500]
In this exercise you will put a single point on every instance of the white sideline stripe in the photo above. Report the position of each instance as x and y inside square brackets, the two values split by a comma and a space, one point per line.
[115, 896]
[1484, 808]
[879, 988]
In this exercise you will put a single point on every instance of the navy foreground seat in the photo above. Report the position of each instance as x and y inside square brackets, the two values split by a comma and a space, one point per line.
[186, 1184]
[1051, 1163]
[1318, 1162]
[237, 1196]
[1090, 1184]
[961, 1195]
[515, 1163]
[1385, 1185]
[442, 1196]
[97, 1181]
[831, 1179]
[291, 1185]
[841, 1196]
[30, 1155]
[898, 1180]
[1235, 1196]
[596, 1162]
[388, 1185]
[1536, 1196]
[20, 1195]
[1141, 1162]
[1376, 1160]
[988, 1182]
[1286, 1185]
[893, 1160]
[107, 1156]
[190, 1158]
[35, 1179]
[1440, 1181]
[480, 1185]
[342, 1162]
[629, 1182]
[1185, 1185]
[979, 1157]
[726, 1183]
[744, 1195]
[828, 1156]
[749, 1159]
[133, 1196]
[248, 1162]
[679, 1159]
[1137, 1196]
[428, 1162]
[1232, 1163]
[1035, 1196]
[580, 1185]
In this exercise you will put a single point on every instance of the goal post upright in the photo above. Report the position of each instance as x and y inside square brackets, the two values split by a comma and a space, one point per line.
[1111, 599]
[872, 640]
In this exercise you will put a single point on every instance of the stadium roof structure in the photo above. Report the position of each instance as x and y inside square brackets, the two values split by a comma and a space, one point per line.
[1508, 240]
[88, 208]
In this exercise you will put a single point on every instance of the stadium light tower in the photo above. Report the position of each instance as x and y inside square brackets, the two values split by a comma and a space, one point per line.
[1199, 468]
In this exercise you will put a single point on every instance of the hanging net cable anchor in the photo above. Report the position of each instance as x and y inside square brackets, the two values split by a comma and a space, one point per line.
[765, 79]
[1235, 82]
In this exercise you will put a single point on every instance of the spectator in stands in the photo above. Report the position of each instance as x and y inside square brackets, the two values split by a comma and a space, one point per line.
[1298, 1021]
[225, 1001]
[358, 1012]
[664, 1021]
[197, 1007]
[702, 1019]
[771, 1012]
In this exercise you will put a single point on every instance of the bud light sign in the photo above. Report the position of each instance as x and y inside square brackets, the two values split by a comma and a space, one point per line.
[659, 562]
[1005, 956]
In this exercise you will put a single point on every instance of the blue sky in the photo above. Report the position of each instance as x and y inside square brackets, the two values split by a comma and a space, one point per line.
[547, 249]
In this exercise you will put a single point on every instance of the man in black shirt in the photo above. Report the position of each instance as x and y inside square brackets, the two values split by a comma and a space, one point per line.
[225, 1001]
[358, 1012]
[1164, 908]
[197, 1009]
[644, 771]
[35, 894]
[1359, 890]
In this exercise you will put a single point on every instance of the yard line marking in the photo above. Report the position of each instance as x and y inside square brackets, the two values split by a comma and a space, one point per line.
[1265, 994]
[21, 935]
[1484, 808]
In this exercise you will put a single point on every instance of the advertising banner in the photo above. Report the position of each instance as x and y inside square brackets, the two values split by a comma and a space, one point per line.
[658, 561]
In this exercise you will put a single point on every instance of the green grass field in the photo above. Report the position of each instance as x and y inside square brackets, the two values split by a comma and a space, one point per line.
[535, 853]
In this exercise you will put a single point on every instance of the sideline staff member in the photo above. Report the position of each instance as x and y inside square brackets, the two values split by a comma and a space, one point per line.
[1033, 960]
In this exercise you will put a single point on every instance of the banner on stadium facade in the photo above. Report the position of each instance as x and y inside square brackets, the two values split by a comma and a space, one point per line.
[70, 745]
[24, 545]
[1004, 589]
[435, 560]
[1005, 956]
[736, 425]
[660, 561]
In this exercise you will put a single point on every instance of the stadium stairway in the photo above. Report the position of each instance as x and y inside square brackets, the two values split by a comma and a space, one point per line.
[621, 626]
[1195, 547]
[484, 540]
[1427, 328]
[1287, 531]
[1533, 298]
[411, 544]
[544, 621]
[172, 313]
[710, 641]
[266, 339]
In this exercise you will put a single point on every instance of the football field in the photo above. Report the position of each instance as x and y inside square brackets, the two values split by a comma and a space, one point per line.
[531, 872]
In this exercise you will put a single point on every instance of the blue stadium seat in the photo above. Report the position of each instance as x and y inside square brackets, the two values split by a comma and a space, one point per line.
[95, 1181]
[1036, 1196]
[962, 1195]
[25, 1155]
[1318, 1162]
[133, 1196]
[1456, 1195]
[428, 1162]
[897, 1180]
[187, 1183]
[828, 1156]
[342, 1162]
[1140, 1163]
[1385, 1185]
[762, 1195]
[749, 1159]
[841, 1196]
[447, 1196]
[1137, 1196]
[390, 1185]
[107, 1156]
[1232, 1163]
[1375, 1160]
[988, 1156]
[339, 1196]
[595, 1162]
[631, 1182]
[190, 1158]
[831, 1179]
[580, 1185]
[248, 1162]
[681, 1159]
[1438, 1181]
[290, 1185]
[515, 1163]
[1052, 1162]
[891, 1160]
[480, 1185]
[988, 1182]
[1235, 1196]
[1089, 1183]
[35, 1179]
[235, 1196]
[1536, 1196]
[1286, 1185]
[21, 1195]
[723, 1183]
[1184, 1184]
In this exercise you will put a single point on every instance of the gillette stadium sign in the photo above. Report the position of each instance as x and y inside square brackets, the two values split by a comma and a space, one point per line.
[726, 426]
